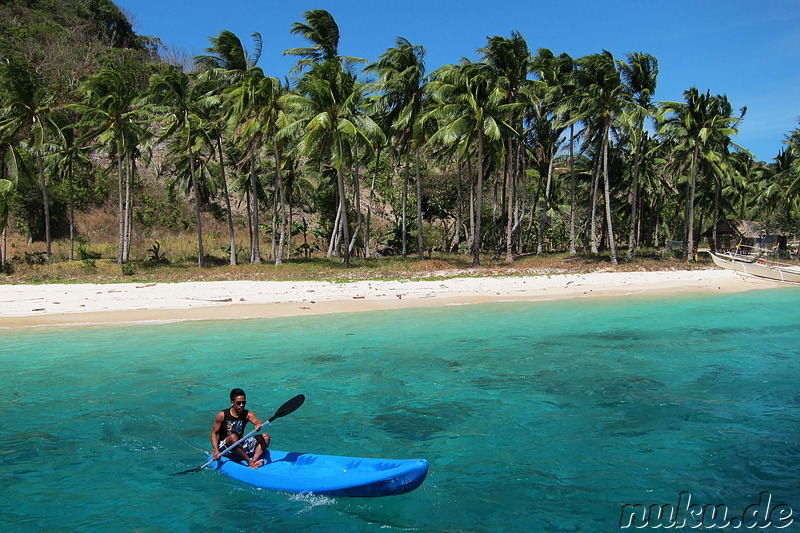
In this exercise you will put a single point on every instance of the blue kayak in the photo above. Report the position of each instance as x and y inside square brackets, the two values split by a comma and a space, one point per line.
[329, 475]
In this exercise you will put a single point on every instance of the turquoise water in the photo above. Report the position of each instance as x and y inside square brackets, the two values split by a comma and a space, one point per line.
[534, 416]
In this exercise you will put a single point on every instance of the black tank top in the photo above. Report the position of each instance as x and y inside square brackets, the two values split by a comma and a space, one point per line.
[232, 425]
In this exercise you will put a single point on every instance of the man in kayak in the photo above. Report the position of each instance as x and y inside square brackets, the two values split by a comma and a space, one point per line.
[229, 428]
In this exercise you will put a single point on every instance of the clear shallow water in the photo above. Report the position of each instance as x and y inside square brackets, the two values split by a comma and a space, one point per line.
[534, 417]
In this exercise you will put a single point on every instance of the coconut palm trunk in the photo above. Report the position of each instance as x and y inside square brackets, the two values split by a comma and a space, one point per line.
[420, 217]
[46, 202]
[476, 245]
[690, 204]
[121, 208]
[343, 224]
[227, 195]
[255, 247]
[607, 189]
[282, 204]
[197, 216]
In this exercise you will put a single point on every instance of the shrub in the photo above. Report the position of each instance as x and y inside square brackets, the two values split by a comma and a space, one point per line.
[85, 254]
[128, 269]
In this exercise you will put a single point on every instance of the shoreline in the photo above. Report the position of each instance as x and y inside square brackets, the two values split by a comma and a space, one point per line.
[132, 303]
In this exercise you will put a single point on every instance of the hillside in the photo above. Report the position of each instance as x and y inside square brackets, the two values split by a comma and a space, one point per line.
[69, 41]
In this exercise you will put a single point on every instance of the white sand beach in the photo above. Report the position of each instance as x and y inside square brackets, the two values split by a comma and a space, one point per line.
[76, 304]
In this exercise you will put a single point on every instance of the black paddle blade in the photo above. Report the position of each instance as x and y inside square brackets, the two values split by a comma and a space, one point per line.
[289, 407]
[187, 471]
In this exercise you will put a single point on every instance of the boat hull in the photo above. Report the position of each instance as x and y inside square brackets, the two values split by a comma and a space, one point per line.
[757, 269]
[329, 475]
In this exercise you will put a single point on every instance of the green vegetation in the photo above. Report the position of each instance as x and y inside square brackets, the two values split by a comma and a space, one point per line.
[152, 168]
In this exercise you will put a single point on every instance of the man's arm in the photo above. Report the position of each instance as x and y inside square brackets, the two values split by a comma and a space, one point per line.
[220, 418]
[253, 419]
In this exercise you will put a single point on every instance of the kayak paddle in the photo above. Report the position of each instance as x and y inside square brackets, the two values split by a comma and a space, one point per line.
[283, 410]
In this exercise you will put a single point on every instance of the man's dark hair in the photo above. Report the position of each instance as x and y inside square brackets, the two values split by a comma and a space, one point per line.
[237, 392]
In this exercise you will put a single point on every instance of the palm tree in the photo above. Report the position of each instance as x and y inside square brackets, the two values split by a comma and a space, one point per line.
[470, 111]
[328, 121]
[321, 30]
[330, 127]
[227, 55]
[552, 112]
[401, 87]
[511, 60]
[111, 117]
[603, 101]
[27, 117]
[67, 154]
[701, 125]
[225, 64]
[639, 76]
[256, 115]
[9, 170]
[173, 97]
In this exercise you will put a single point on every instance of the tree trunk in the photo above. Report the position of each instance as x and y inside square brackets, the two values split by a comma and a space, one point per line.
[71, 200]
[198, 219]
[282, 202]
[255, 244]
[345, 231]
[357, 199]
[273, 252]
[471, 208]
[572, 206]
[128, 208]
[690, 206]
[45, 200]
[333, 243]
[368, 229]
[476, 244]
[510, 195]
[611, 243]
[632, 240]
[546, 206]
[717, 195]
[459, 208]
[231, 232]
[595, 186]
[404, 230]
[420, 218]
[121, 208]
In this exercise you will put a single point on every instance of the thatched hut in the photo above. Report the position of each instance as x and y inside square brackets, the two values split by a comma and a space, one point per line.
[747, 233]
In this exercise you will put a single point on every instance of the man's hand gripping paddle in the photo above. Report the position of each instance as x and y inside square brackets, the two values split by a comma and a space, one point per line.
[283, 410]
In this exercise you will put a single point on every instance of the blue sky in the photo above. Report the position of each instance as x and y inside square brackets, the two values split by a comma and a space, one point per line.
[746, 49]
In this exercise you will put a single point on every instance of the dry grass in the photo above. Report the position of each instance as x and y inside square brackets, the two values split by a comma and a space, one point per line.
[320, 268]
[97, 230]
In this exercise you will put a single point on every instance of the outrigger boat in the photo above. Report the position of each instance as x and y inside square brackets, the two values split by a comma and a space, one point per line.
[757, 266]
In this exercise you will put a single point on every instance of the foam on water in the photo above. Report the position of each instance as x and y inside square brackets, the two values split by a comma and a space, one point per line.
[534, 416]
